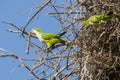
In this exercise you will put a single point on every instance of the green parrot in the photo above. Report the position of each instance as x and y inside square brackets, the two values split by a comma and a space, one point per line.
[48, 38]
[95, 20]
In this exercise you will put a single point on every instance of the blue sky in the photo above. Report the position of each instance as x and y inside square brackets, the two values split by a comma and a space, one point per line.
[18, 12]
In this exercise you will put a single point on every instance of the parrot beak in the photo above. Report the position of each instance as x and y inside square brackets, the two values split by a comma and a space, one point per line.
[33, 31]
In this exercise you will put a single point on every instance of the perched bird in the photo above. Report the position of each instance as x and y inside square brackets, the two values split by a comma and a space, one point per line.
[48, 38]
[96, 20]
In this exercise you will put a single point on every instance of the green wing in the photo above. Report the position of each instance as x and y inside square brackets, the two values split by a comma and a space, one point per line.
[116, 15]
[97, 19]
[54, 41]
[47, 36]
[93, 20]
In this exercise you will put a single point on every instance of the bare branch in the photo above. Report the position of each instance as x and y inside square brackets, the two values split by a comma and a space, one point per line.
[36, 13]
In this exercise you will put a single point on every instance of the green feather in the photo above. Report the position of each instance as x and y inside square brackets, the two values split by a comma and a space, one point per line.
[47, 38]
[95, 20]
[53, 41]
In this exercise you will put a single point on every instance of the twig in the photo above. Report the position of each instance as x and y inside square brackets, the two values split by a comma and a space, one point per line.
[18, 58]
[47, 2]
[62, 69]
[41, 62]
[9, 55]
[10, 23]
[66, 13]
[84, 69]
[13, 31]
[28, 43]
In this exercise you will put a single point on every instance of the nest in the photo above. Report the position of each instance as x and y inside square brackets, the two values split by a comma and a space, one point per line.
[100, 48]
[101, 52]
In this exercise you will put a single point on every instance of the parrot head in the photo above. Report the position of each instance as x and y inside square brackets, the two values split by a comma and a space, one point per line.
[35, 30]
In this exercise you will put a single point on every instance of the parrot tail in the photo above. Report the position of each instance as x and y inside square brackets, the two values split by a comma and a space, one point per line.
[116, 16]
[61, 34]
